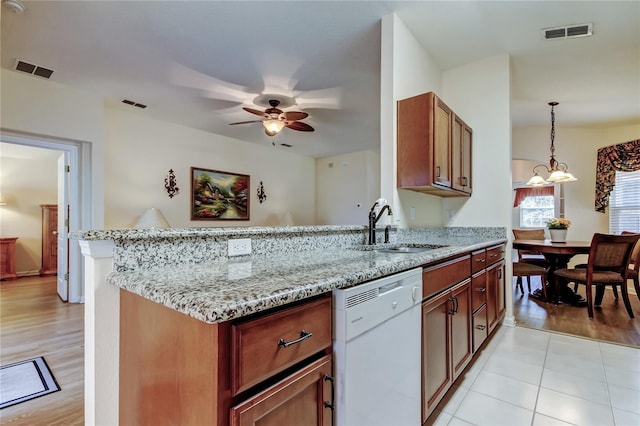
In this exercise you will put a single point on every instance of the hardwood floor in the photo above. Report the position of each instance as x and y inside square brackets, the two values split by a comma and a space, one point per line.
[610, 324]
[35, 322]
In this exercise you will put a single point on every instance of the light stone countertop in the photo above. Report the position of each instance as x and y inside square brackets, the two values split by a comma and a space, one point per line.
[224, 288]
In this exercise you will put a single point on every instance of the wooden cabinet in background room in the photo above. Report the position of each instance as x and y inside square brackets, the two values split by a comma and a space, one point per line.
[446, 329]
[8, 258]
[49, 239]
[434, 148]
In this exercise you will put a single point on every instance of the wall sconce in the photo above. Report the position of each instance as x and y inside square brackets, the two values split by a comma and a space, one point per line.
[170, 184]
[261, 194]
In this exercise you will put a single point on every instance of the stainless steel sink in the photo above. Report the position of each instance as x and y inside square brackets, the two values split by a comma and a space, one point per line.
[413, 248]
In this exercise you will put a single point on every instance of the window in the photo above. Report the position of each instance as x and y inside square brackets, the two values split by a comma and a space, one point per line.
[535, 211]
[624, 203]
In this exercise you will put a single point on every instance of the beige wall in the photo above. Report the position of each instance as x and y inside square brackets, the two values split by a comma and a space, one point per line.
[347, 186]
[480, 93]
[139, 152]
[28, 178]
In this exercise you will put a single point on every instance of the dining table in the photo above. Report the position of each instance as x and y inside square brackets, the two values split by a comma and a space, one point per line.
[558, 256]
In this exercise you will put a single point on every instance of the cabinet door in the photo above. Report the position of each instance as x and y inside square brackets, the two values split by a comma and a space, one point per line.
[461, 155]
[495, 294]
[461, 337]
[437, 375]
[298, 399]
[443, 118]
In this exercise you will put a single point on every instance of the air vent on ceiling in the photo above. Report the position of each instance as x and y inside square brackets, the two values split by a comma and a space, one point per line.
[32, 69]
[569, 31]
[132, 103]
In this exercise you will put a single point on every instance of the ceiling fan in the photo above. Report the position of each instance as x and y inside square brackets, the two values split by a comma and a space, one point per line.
[275, 119]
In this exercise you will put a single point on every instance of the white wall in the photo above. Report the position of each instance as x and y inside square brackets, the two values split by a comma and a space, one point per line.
[578, 147]
[480, 93]
[140, 151]
[406, 70]
[347, 187]
[43, 108]
[28, 178]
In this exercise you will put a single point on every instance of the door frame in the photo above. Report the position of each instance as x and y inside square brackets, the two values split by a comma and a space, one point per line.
[79, 197]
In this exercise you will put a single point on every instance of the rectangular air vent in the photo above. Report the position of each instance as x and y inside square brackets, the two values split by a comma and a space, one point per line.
[132, 103]
[32, 69]
[569, 31]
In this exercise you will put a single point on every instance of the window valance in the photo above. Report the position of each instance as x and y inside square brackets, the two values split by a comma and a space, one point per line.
[536, 191]
[624, 157]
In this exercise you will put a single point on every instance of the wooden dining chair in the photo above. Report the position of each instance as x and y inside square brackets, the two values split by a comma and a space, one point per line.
[609, 258]
[528, 270]
[634, 267]
[529, 257]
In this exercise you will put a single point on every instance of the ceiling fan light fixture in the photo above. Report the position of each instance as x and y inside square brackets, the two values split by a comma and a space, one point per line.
[273, 127]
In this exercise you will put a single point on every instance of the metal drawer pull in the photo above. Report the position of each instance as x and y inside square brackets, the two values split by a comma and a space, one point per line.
[480, 260]
[303, 335]
[480, 327]
[481, 289]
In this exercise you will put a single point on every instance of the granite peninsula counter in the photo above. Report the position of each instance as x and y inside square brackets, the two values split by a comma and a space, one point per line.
[188, 270]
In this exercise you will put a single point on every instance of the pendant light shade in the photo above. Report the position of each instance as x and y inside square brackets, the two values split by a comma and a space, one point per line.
[558, 172]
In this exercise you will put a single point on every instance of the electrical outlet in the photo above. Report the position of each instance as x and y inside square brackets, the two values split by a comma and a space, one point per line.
[239, 246]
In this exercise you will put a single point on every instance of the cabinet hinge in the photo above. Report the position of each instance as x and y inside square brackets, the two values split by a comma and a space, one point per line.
[66, 276]
[67, 169]
[66, 223]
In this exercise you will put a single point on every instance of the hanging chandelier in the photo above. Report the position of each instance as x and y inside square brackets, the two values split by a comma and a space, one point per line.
[558, 172]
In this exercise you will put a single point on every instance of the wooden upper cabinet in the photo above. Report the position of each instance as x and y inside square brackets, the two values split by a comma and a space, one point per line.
[461, 146]
[434, 148]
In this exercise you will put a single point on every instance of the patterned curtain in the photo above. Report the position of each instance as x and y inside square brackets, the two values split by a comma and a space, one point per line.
[536, 191]
[624, 157]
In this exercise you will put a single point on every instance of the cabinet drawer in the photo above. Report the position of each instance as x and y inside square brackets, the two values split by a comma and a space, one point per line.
[495, 254]
[478, 260]
[442, 276]
[478, 290]
[480, 328]
[267, 345]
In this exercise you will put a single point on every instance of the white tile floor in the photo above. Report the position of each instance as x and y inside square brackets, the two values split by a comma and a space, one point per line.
[532, 377]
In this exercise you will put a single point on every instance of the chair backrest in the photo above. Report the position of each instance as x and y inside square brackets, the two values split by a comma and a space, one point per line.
[528, 234]
[611, 253]
[635, 254]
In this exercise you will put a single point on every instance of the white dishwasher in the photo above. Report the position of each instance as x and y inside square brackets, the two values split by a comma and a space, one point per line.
[377, 348]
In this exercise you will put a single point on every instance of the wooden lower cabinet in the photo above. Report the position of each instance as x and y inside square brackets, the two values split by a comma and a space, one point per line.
[177, 370]
[495, 294]
[446, 342]
[302, 397]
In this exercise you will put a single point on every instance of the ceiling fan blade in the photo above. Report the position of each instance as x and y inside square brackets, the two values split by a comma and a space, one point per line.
[294, 115]
[296, 125]
[246, 122]
[255, 111]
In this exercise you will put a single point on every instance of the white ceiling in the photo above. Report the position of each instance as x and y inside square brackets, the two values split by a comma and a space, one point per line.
[198, 62]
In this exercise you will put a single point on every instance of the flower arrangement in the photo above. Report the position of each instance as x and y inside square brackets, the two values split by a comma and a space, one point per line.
[558, 223]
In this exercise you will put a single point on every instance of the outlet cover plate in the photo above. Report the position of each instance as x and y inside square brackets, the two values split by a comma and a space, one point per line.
[239, 246]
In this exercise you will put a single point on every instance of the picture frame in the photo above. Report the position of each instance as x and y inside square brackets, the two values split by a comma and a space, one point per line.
[219, 195]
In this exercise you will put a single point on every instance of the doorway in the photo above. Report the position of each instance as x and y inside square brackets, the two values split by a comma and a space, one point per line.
[78, 157]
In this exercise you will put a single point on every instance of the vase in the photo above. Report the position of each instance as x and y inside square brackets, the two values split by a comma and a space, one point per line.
[558, 235]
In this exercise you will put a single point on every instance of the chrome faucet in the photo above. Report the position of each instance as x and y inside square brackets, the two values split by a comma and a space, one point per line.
[373, 219]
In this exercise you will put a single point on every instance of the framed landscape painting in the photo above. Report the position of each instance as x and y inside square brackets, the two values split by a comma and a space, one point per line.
[217, 195]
